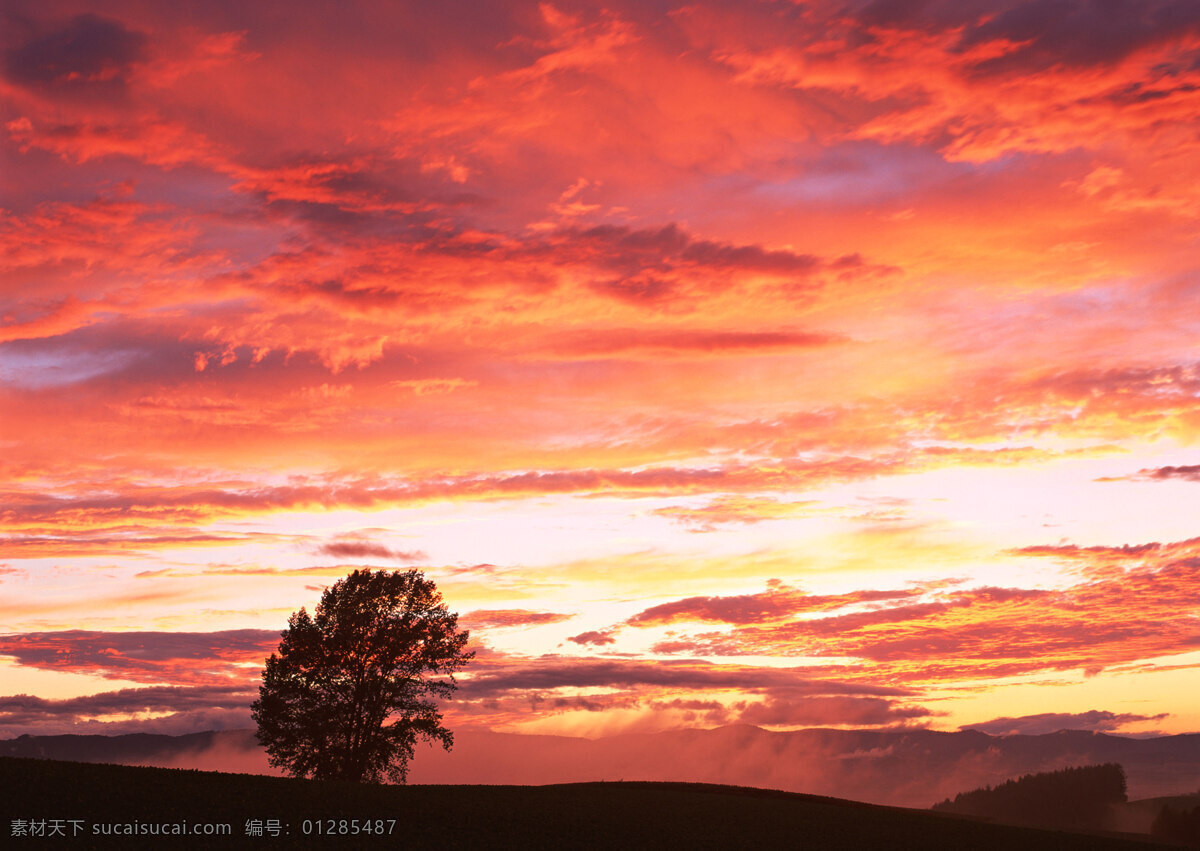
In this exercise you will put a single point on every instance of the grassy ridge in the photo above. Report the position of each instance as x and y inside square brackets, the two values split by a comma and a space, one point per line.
[584, 815]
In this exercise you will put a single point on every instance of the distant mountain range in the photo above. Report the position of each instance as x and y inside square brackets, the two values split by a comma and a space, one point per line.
[912, 768]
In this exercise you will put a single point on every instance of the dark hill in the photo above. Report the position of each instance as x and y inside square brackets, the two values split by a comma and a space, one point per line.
[586, 815]
[908, 768]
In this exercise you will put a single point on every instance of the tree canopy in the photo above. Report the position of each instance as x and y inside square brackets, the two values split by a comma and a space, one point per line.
[351, 690]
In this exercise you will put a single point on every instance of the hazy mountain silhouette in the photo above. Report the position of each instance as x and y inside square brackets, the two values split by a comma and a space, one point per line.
[913, 768]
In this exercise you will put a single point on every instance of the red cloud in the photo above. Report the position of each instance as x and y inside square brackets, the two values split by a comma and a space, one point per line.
[503, 618]
[1132, 604]
[512, 677]
[923, 82]
[1187, 472]
[174, 657]
[1053, 722]
[626, 341]
[828, 712]
[593, 637]
[778, 602]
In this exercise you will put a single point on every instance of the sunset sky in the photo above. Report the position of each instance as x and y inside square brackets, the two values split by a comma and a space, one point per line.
[794, 364]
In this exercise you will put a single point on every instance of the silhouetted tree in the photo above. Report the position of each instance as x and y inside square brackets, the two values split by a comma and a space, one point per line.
[353, 688]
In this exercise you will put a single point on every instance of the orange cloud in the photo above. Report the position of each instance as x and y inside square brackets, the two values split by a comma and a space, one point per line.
[778, 602]
[1133, 604]
[180, 658]
[732, 509]
[987, 83]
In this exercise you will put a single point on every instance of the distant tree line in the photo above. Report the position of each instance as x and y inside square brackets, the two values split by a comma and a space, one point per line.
[1182, 825]
[1079, 797]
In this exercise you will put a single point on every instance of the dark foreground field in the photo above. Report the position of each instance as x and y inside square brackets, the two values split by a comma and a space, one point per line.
[42, 796]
